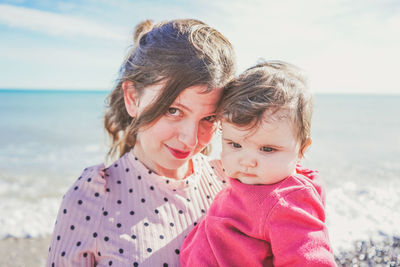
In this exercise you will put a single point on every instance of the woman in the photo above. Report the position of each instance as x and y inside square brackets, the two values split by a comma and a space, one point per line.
[161, 114]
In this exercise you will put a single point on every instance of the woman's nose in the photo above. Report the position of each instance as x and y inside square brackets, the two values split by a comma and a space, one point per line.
[188, 134]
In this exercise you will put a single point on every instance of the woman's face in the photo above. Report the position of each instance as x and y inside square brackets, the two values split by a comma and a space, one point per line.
[167, 145]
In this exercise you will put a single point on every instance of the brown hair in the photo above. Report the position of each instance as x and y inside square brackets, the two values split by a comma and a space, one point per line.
[272, 86]
[182, 53]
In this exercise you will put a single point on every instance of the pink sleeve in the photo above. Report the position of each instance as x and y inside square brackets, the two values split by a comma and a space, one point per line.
[74, 238]
[297, 230]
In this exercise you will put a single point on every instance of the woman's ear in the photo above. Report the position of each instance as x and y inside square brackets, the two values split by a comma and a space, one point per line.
[131, 98]
[304, 147]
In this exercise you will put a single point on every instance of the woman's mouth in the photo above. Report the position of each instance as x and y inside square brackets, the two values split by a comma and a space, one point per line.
[178, 153]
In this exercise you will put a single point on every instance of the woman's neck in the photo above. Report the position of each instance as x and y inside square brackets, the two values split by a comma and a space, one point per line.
[179, 173]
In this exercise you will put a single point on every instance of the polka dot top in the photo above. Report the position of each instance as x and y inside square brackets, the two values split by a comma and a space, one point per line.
[126, 215]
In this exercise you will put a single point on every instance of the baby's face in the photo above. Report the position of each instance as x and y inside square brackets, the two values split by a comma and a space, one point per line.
[265, 155]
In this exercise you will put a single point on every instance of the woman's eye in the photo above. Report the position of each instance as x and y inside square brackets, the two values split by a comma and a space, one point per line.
[211, 118]
[173, 112]
[267, 149]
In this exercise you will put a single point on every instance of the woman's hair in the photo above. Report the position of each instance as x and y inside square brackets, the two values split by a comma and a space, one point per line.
[269, 86]
[180, 53]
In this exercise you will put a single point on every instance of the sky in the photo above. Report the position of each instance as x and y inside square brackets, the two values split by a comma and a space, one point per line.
[345, 46]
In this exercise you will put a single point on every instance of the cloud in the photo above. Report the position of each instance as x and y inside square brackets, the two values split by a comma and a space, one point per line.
[345, 46]
[57, 24]
[47, 67]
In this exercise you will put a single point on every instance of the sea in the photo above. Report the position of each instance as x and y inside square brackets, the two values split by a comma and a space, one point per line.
[48, 137]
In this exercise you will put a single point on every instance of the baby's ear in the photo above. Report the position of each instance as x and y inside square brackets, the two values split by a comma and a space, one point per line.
[304, 147]
[131, 98]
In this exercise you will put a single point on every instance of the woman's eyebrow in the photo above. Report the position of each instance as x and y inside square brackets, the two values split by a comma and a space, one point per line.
[186, 108]
[182, 106]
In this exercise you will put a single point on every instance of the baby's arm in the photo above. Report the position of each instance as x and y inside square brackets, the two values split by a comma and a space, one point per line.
[297, 231]
[73, 240]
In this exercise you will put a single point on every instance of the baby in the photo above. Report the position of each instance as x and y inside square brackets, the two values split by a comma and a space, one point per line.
[272, 213]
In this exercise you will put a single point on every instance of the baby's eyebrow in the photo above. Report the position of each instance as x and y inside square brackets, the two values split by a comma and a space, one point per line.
[273, 146]
[230, 140]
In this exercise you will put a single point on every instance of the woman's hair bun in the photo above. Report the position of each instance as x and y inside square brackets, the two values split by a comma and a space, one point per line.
[142, 28]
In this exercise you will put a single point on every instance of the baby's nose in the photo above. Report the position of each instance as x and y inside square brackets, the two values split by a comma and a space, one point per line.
[248, 162]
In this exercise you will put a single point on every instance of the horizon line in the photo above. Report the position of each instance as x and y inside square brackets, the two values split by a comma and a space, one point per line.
[82, 90]
[61, 90]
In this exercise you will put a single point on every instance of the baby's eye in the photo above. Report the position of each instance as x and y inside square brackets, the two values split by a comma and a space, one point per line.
[211, 118]
[235, 145]
[173, 112]
[267, 149]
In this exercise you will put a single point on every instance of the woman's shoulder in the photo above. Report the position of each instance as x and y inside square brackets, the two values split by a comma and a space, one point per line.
[79, 216]
[88, 184]
[95, 171]
[216, 165]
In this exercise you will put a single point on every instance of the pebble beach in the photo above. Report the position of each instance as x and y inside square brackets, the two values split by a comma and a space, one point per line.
[21, 252]
[371, 253]
[24, 252]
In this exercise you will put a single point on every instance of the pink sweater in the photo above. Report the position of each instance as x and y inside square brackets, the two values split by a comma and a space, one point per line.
[264, 225]
[126, 215]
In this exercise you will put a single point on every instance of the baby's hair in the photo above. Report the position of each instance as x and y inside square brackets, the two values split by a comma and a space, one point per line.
[181, 53]
[269, 86]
